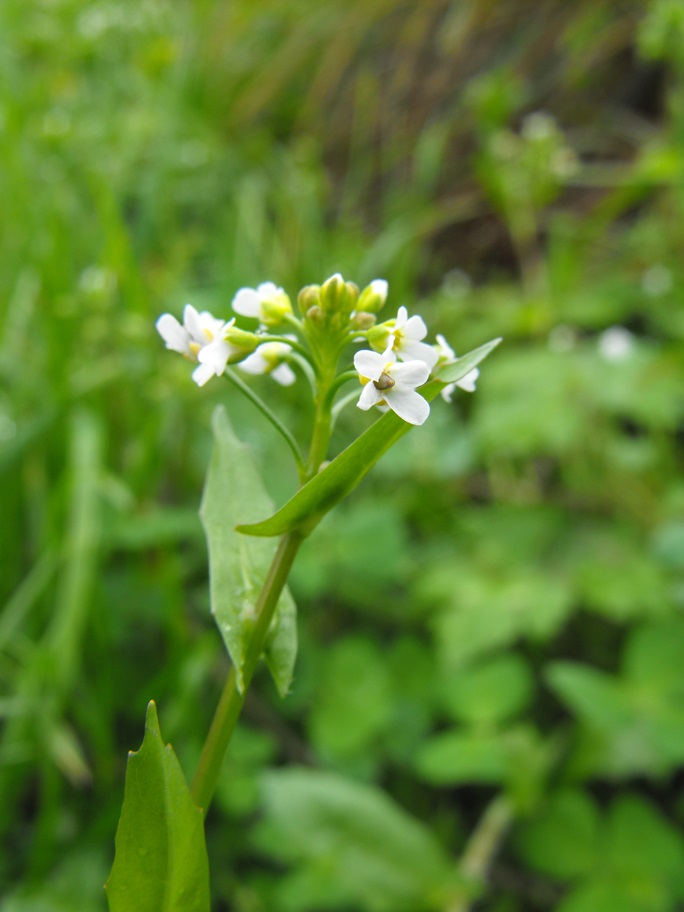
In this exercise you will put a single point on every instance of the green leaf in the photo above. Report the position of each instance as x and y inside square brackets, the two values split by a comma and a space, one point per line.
[451, 373]
[597, 698]
[353, 700]
[562, 841]
[489, 692]
[602, 894]
[451, 758]
[356, 840]
[654, 657]
[310, 504]
[238, 564]
[645, 849]
[161, 858]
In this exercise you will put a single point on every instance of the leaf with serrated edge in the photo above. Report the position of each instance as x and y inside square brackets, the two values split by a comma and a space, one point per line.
[161, 858]
[310, 504]
[238, 564]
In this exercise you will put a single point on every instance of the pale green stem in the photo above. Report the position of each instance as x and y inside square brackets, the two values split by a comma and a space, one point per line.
[231, 702]
[481, 849]
[341, 404]
[321, 434]
[267, 413]
[307, 369]
[294, 345]
[232, 699]
[339, 382]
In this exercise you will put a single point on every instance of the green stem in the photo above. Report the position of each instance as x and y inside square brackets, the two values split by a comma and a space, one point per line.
[481, 849]
[294, 345]
[267, 413]
[232, 700]
[338, 382]
[321, 434]
[341, 404]
[307, 369]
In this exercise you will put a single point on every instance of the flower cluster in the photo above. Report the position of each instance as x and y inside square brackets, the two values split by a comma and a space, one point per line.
[395, 364]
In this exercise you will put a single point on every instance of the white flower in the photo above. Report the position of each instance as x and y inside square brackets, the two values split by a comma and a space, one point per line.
[197, 330]
[389, 383]
[266, 302]
[446, 355]
[200, 338]
[268, 359]
[616, 343]
[405, 339]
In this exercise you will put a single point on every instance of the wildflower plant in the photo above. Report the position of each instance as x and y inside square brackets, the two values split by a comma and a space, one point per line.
[332, 339]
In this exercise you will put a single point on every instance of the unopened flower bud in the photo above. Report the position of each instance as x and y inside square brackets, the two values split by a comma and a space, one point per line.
[338, 296]
[378, 336]
[309, 296]
[275, 309]
[267, 302]
[246, 341]
[362, 320]
[315, 314]
[373, 296]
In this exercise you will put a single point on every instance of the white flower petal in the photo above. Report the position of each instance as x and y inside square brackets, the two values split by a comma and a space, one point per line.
[174, 335]
[211, 327]
[191, 321]
[389, 356]
[407, 404]
[467, 383]
[202, 374]
[410, 374]
[402, 317]
[216, 355]
[254, 364]
[415, 328]
[418, 351]
[444, 350]
[369, 363]
[284, 375]
[268, 290]
[448, 392]
[247, 302]
[380, 288]
[369, 397]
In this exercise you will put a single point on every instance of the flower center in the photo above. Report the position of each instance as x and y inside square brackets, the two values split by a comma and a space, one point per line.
[384, 382]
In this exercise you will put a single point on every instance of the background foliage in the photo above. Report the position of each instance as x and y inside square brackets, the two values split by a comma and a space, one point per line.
[500, 606]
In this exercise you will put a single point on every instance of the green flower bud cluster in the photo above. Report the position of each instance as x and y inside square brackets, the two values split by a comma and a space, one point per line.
[334, 309]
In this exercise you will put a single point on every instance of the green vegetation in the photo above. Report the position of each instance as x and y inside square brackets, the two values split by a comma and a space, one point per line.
[498, 610]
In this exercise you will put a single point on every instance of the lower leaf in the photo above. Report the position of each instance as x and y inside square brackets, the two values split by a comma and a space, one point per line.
[161, 859]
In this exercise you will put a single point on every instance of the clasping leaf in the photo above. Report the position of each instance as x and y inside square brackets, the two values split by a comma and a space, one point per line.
[238, 564]
[310, 504]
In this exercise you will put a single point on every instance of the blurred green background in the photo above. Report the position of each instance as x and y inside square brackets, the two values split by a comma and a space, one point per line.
[499, 607]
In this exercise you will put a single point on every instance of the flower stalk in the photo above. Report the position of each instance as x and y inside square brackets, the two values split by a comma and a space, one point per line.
[231, 702]
[393, 371]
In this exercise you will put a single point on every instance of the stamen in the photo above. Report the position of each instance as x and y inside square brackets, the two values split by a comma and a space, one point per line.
[384, 382]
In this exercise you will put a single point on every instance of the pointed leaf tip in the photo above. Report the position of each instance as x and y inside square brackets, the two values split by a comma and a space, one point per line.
[451, 373]
[310, 504]
[161, 859]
